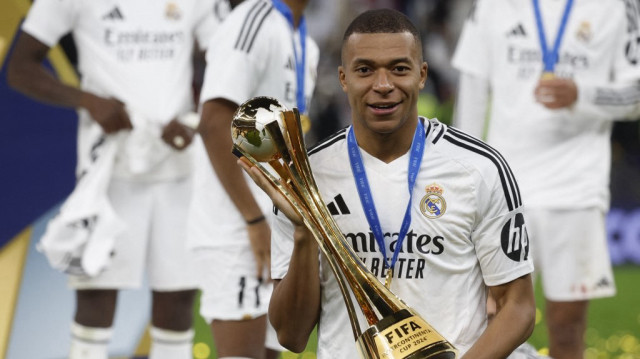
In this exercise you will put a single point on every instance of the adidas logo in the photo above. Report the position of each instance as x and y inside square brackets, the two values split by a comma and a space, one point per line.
[290, 65]
[518, 30]
[338, 206]
[114, 14]
[603, 282]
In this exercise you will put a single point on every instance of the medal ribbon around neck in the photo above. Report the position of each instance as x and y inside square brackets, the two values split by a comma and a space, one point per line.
[364, 191]
[300, 60]
[549, 58]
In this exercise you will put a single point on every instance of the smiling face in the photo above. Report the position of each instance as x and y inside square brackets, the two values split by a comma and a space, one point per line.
[382, 74]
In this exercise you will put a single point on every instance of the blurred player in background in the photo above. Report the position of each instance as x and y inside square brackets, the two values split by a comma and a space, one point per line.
[135, 62]
[261, 49]
[557, 74]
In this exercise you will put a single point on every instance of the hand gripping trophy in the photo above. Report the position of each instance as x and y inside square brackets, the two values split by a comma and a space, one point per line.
[265, 132]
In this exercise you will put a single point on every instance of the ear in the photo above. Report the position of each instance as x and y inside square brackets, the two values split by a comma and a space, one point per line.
[423, 74]
[342, 77]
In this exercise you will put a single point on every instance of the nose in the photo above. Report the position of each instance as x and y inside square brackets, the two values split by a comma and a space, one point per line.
[383, 83]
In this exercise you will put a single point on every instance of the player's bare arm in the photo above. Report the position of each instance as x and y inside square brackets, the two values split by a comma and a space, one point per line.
[297, 295]
[513, 322]
[214, 126]
[27, 75]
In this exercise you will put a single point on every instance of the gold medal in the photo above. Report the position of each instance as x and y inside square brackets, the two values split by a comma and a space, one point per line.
[305, 123]
[547, 75]
[387, 281]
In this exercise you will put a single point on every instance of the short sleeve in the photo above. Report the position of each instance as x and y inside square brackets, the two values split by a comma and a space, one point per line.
[211, 14]
[49, 20]
[627, 49]
[235, 61]
[500, 236]
[472, 54]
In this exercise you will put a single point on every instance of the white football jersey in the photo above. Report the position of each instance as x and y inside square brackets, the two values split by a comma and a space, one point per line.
[467, 232]
[561, 157]
[251, 55]
[136, 51]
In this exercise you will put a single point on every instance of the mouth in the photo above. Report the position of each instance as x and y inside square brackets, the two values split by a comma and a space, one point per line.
[385, 108]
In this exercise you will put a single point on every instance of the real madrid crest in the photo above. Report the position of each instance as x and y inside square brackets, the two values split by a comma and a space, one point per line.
[433, 204]
[584, 33]
[172, 11]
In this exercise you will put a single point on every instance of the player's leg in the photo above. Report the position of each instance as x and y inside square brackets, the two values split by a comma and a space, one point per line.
[567, 323]
[95, 307]
[172, 321]
[234, 301]
[91, 329]
[240, 338]
[96, 297]
[170, 272]
[570, 248]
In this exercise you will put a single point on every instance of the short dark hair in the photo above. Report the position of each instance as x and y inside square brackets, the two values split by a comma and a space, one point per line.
[380, 21]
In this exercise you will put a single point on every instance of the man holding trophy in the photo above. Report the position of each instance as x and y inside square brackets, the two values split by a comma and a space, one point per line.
[429, 211]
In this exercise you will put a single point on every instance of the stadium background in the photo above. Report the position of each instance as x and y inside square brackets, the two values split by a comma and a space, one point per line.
[37, 159]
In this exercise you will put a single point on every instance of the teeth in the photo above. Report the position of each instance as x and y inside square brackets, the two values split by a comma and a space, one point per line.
[383, 106]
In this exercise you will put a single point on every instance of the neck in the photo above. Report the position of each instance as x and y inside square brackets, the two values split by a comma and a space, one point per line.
[297, 8]
[387, 146]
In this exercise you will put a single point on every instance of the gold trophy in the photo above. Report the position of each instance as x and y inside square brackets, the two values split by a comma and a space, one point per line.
[264, 131]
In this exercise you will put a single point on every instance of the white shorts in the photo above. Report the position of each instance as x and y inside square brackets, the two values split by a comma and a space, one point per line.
[230, 289]
[155, 239]
[570, 253]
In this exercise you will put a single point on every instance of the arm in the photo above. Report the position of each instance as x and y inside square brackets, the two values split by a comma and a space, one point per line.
[297, 295]
[26, 74]
[617, 96]
[512, 324]
[214, 128]
[613, 101]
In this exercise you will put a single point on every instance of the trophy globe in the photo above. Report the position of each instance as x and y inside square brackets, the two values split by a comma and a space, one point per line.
[249, 127]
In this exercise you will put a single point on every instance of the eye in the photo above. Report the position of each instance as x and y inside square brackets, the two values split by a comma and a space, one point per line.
[401, 69]
[363, 70]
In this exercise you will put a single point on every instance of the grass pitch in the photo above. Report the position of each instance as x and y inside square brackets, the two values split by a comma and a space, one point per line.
[613, 329]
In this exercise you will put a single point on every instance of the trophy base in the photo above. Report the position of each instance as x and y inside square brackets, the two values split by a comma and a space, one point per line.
[404, 335]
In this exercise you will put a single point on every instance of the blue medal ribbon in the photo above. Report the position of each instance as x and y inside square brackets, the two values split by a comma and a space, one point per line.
[364, 190]
[300, 59]
[549, 58]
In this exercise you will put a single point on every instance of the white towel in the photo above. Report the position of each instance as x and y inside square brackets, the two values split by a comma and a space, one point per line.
[80, 239]
[143, 149]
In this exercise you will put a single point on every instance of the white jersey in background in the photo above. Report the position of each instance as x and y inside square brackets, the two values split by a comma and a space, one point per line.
[467, 232]
[137, 51]
[257, 38]
[561, 157]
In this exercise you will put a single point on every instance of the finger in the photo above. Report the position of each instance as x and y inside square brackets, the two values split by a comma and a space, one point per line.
[244, 163]
[255, 174]
[125, 120]
[259, 267]
[268, 261]
[544, 95]
[108, 127]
